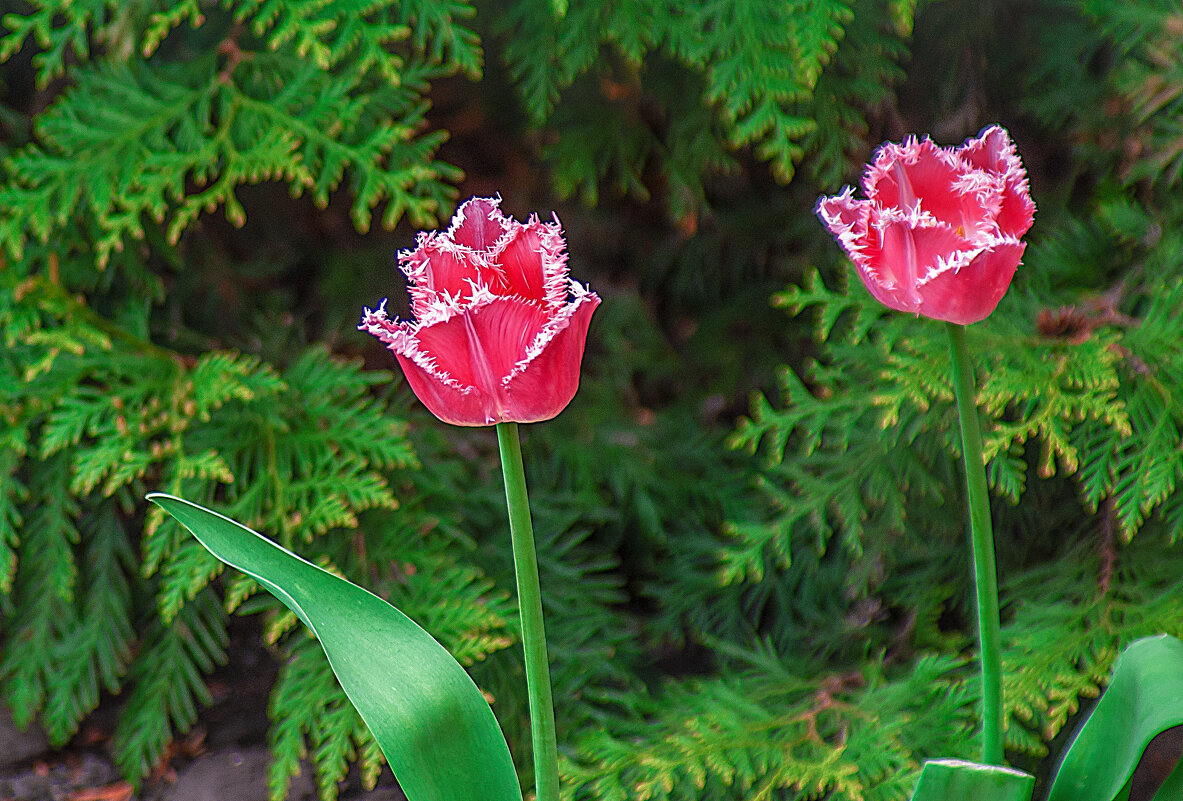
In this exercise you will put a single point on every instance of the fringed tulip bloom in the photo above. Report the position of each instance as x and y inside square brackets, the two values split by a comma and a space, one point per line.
[939, 233]
[499, 327]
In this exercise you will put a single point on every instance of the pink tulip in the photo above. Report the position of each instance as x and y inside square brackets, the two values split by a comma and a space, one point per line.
[499, 326]
[939, 233]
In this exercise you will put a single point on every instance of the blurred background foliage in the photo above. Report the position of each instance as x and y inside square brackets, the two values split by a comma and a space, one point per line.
[750, 518]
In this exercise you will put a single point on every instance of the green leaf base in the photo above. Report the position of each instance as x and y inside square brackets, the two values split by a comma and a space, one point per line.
[958, 780]
[1144, 699]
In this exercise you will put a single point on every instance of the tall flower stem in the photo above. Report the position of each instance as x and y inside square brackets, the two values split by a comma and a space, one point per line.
[525, 565]
[982, 546]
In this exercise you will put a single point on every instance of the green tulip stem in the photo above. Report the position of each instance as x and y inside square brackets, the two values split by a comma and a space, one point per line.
[525, 565]
[982, 545]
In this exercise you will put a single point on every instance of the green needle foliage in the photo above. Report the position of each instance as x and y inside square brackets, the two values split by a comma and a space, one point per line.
[661, 86]
[296, 92]
[848, 736]
[168, 111]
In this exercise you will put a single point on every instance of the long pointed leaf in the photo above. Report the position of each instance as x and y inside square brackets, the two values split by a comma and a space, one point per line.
[434, 726]
[1144, 698]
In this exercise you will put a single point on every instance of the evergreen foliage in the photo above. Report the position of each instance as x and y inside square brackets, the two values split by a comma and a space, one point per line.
[293, 91]
[743, 601]
[99, 413]
[770, 734]
[660, 87]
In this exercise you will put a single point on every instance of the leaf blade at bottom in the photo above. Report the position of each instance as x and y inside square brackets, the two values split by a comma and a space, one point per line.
[432, 722]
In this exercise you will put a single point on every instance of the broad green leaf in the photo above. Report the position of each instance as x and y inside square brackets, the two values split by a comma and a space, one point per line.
[432, 723]
[1144, 698]
[958, 780]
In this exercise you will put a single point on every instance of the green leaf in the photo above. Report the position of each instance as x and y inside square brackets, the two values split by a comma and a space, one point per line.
[956, 780]
[432, 723]
[1144, 698]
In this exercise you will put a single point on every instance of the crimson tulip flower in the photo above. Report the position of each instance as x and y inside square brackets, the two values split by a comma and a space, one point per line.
[499, 327]
[939, 233]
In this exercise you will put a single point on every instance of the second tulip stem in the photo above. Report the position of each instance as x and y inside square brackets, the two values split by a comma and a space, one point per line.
[982, 546]
[525, 565]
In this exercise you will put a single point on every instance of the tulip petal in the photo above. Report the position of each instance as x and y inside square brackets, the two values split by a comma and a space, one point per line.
[544, 383]
[530, 258]
[443, 276]
[437, 267]
[441, 393]
[461, 407]
[506, 328]
[980, 195]
[902, 256]
[971, 293]
[478, 224]
[846, 218]
[916, 174]
[481, 345]
[994, 152]
[1018, 209]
